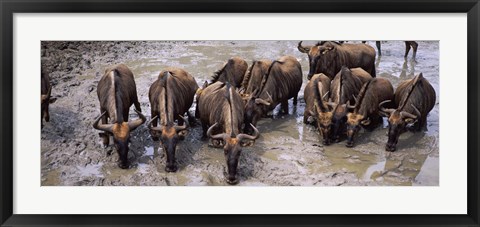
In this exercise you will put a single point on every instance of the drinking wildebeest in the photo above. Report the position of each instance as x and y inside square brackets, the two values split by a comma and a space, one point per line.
[232, 71]
[46, 99]
[171, 95]
[329, 57]
[281, 82]
[221, 113]
[365, 112]
[315, 94]
[116, 92]
[415, 98]
[345, 86]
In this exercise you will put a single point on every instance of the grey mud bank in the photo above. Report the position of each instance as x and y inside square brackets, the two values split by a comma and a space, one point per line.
[287, 152]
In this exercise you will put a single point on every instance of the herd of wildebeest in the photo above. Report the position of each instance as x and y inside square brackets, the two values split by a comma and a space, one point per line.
[342, 95]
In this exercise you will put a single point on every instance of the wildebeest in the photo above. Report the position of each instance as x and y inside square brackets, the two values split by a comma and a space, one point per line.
[365, 112]
[316, 94]
[282, 82]
[254, 76]
[46, 93]
[329, 57]
[232, 71]
[221, 113]
[116, 92]
[408, 45]
[345, 86]
[171, 95]
[415, 98]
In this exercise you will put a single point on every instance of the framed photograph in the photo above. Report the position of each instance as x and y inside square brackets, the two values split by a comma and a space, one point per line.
[239, 113]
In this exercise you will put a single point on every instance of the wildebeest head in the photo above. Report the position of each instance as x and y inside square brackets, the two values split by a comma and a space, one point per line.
[232, 149]
[169, 136]
[339, 120]
[121, 134]
[354, 121]
[397, 122]
[315, 53]
[255, 108]
[323, 116]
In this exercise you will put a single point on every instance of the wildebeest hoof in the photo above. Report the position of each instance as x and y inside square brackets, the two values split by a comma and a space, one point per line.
[349, 144]
[171, 169]
[154, 138]
[232, 182]
[123, 165]
[390, 148]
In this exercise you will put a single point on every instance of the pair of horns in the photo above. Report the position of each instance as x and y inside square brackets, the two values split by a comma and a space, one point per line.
[240, 136]
[176, 127]
[132, 125]
[403, 114]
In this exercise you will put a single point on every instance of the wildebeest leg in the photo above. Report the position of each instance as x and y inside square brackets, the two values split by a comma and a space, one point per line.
[204, 128]
[414, 46]
[379, 48]
[47, 114]
[407, 49]
[295, 99]
[105, 135]
[191, 118]
[154, 124]
[284, 107]
[305, 117]
[137, 104]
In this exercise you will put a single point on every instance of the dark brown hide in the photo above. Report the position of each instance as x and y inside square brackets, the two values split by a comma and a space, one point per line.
[232, 71]
[171, 95]
[221, 113]
[254, 76]
[329, 57]
[282, 82]
[415, 98]
[116, 92]
[366, 111]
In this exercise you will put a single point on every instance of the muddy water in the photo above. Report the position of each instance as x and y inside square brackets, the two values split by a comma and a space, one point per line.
[287, 153]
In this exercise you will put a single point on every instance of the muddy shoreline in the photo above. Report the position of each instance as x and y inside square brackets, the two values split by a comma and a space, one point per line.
[287, 153]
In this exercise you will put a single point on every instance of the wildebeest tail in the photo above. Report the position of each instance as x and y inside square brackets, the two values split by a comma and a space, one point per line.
[118, 95]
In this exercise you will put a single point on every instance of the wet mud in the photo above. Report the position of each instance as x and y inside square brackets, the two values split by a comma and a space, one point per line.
[288, 152]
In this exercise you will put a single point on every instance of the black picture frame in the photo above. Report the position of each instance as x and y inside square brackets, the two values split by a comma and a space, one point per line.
[9, 7]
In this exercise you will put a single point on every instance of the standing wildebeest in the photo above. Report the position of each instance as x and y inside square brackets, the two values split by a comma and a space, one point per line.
[329, 57]
[345, 86]
[46, 92]
[316, 91]
[171, 95]
[232, 71]
[415, 98]
[221, 112]
[117, 92]
[282, 82]
[254, 76]
[408, 45]
[366, 112]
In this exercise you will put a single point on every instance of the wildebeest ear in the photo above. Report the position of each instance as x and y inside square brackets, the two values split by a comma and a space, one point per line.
[52, 100]
[205, 85]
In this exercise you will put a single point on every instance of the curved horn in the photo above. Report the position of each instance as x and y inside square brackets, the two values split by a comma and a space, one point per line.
[255, 135]
[302, 48]
[134, 124]
[355, 98]
[407, 114]
[261, 101]
[218, 136]
[106, 127]
[325, 95]
[350, 106]
[184, 126]
[417, 112]
[270, 99]
[158, 128]
[380, 106]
